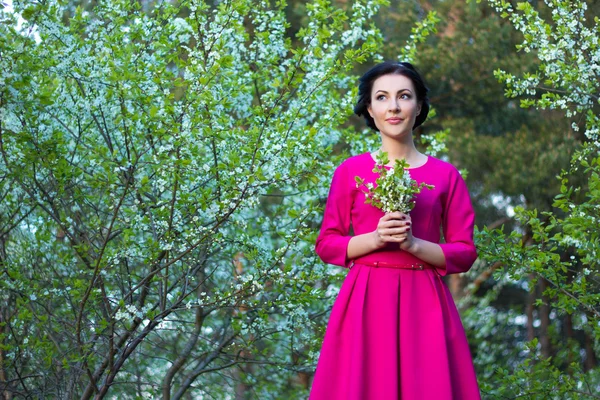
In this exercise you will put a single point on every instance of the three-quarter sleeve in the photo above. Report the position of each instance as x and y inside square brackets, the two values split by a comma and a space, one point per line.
[458, 220]
[332, 242]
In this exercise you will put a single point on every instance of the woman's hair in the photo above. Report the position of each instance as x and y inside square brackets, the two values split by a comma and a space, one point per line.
[390, 67]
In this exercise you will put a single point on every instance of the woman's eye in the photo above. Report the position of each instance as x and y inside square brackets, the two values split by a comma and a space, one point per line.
[380, 97]
[405, 96]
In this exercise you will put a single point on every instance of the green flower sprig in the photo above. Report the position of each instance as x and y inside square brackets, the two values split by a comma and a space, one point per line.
[394, 189]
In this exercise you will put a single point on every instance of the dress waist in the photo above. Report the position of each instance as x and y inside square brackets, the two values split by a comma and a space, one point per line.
[382, 264]
[392, 259]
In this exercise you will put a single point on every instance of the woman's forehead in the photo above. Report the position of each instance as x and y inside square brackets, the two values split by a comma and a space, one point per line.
[393, 83]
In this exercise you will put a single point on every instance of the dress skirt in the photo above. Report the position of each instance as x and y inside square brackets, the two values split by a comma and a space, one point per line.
[394, 334]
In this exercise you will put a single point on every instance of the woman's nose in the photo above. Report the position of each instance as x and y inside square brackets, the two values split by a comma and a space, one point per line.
[394, 105]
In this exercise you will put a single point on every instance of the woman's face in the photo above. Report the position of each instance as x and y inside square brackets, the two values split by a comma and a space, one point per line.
[394, 106]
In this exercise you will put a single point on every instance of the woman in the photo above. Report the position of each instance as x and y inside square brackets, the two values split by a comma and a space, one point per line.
[394, 331]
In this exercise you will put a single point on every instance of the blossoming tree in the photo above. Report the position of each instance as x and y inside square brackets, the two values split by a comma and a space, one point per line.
[562, 253]
[160, 167]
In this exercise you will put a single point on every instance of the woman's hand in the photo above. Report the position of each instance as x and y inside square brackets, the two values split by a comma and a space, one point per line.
[394, 227]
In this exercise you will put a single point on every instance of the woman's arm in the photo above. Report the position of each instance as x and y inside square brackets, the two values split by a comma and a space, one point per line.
[458, 252]
[332, 242]
[429, 252]
[360, 245]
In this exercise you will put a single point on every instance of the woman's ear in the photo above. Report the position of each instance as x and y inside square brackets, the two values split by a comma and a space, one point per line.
[419, 108]
[370, 111]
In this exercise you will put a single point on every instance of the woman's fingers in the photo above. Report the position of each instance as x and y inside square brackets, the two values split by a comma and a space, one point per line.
[393, 234]
[399, 215]
[394, 228]
[394, 223]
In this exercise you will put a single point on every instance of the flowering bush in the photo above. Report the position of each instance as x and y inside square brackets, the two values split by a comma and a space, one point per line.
[161, 165]
[555, 253]
[394, 189]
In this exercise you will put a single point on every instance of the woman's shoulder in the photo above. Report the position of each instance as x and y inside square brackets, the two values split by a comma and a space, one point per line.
[437, 172]
[441, 165]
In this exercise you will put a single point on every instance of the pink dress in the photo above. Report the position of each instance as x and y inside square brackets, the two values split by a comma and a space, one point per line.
[395, 333]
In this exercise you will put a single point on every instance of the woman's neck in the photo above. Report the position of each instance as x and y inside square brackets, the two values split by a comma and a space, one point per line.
[401, 150]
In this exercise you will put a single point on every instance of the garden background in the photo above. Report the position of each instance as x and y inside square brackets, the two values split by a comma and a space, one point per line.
[164, 164]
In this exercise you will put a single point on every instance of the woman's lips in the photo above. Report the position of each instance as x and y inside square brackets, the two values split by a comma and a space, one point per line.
[394, 121]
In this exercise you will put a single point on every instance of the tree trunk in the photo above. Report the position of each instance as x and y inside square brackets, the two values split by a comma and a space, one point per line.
[545, 341]
[570, 334]
[529, 310]
[590, 361]
[456, 284]
[6, 393]
[4, 385]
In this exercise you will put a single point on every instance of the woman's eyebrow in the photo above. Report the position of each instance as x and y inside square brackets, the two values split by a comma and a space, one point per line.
[401, 90]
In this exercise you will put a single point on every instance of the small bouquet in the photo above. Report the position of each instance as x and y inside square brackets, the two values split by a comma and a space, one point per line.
[394, 189]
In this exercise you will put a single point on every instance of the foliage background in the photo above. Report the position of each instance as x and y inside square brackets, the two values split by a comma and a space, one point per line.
[164, 164]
